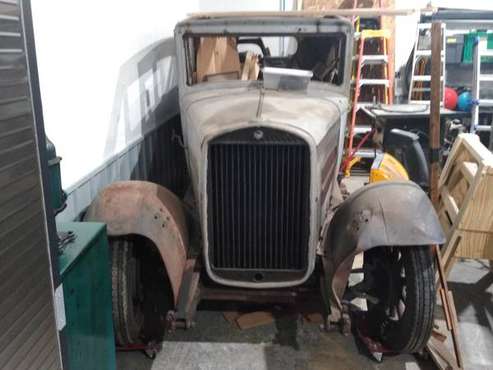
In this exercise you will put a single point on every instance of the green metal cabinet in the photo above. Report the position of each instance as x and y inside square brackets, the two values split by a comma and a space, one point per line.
[85, 273]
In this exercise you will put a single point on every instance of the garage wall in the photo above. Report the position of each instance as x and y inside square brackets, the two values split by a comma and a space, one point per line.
[108, 84]
[28, 334]
[107, 76]
[244, 5]
[405, 27]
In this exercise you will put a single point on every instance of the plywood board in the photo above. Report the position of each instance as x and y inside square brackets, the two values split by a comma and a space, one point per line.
[250, 69]
[231, 316]
[479, 214]
[314, 317]
[217, 55]
[254, 319]
[475, 245]
[338, 4]
[362, 12]
[466, 201]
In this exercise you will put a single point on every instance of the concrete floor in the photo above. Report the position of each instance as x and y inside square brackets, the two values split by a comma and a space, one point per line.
[290, 344]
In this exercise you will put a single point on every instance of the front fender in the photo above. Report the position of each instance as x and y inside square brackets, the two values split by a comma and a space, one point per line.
[381, 214]
[150, 210]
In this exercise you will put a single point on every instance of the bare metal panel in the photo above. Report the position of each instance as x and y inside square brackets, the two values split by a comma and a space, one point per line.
[28, 336]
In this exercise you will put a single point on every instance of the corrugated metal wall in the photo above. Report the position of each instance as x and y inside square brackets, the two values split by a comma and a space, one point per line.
[28, 336]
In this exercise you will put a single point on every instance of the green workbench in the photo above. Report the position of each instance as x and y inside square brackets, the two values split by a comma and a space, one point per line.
[85, 273]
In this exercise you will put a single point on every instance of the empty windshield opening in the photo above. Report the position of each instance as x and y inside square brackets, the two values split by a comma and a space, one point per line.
[242, 57]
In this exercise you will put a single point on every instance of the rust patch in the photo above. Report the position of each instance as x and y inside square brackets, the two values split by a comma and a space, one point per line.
[150, 210]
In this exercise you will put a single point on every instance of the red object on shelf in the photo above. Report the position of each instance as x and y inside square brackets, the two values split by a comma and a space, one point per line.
[450, 98]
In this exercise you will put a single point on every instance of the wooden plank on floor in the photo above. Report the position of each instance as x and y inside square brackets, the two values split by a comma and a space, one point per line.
[314, 318]
[231, 316]
[440, 354]
[254, 319]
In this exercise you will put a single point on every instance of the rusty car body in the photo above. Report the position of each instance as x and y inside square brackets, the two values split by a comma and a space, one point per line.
[265, 207]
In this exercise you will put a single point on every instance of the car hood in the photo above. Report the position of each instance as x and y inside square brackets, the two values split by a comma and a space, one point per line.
[209, 113]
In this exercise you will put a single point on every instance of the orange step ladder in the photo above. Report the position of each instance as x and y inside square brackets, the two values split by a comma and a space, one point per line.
[361, 59]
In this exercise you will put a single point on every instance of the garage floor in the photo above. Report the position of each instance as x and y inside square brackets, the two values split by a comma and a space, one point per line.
[289, 345]
[292, 344]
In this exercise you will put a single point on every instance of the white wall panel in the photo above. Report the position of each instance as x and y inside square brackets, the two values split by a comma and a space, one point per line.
[103, 67]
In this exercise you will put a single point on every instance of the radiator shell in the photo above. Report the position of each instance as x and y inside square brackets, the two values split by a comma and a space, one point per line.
[258, 184]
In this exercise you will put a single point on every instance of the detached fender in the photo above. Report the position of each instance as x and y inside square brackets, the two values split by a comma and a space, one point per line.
[381, 214]
[150, 210]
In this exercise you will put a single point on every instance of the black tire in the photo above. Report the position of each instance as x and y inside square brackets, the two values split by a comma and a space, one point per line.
[402, 279]
[128, 318]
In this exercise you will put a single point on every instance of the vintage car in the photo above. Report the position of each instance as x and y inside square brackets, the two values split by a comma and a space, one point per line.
[264, 101]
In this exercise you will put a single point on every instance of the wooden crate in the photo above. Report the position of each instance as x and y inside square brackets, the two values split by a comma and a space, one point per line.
[466, 201]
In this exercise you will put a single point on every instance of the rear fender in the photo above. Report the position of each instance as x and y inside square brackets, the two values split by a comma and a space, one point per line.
[150, 210]
[377, 215]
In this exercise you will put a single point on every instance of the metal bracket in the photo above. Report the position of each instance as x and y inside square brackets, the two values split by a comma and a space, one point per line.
[189, 296]
[64, 239]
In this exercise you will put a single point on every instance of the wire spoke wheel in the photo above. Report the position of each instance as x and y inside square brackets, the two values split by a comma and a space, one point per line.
[402, 280]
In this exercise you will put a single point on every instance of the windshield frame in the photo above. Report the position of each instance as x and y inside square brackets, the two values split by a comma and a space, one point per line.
[258, 27]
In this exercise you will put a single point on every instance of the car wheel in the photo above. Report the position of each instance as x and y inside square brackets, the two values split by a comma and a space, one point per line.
[402, 281]
[127, 292]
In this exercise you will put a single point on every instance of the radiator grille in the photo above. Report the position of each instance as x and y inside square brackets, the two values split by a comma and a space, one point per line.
[258, 200]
